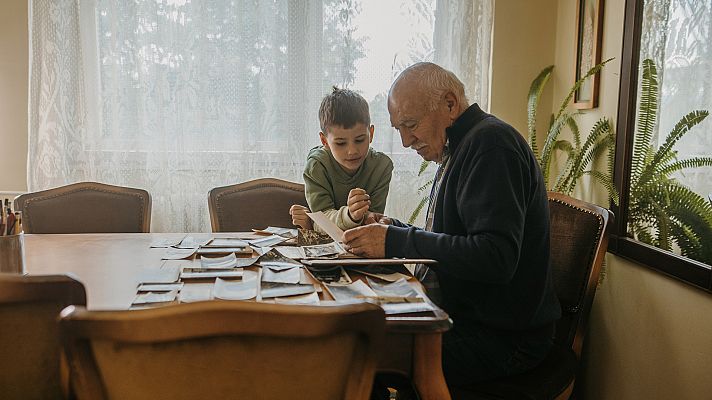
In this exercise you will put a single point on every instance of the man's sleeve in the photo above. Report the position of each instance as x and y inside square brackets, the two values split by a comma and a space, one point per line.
[491, 202]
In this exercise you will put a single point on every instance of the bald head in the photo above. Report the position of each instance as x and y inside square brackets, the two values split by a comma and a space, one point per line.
[423, 102]
[430, 82]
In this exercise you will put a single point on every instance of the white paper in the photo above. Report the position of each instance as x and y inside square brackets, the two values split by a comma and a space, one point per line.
[158, 275]
[350, 292]
[308, 299]
[240, 290]
[196, 292]
[278, 265]
[224, 250]
[160, 287]
[403, 308]
[399, 288]
[227, 242]
[392, 277]
[228, 261]
[191, 242]
[242, 262]
[268, 241]
[273, 230]
[173, 253]
[191, 273]
[153, 297]
[325, 223]
[293, 252]
[291, 275]
[273, 289]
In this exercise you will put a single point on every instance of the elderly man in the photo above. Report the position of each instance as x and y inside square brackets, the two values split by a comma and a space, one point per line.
[487, 226]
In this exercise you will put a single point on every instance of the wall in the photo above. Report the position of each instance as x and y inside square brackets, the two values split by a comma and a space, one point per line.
[650, 336]
[13, 95]
[523, 45]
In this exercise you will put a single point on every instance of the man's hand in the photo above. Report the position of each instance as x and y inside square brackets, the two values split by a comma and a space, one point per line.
[358, 203]
[300, 217]
[376, 218]
[367, 241]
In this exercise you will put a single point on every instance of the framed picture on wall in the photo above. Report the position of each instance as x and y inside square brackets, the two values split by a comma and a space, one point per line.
[589, 24]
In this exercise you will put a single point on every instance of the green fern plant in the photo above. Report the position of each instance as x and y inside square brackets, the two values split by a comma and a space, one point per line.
[423, 191]
[582, 152]
[662, 211]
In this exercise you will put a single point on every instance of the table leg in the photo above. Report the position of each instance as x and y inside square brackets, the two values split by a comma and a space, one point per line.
[427, 367]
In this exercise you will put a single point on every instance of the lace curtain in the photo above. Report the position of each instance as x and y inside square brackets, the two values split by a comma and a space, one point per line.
[677, 35]
[180, 96]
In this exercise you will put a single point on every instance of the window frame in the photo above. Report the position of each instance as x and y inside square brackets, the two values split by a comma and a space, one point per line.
[682, 268]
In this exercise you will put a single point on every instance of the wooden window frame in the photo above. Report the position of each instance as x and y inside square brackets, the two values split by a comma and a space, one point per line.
[682, 268]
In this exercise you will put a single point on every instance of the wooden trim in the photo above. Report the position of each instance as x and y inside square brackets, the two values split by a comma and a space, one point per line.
[675, 266]
[597, 45]
[678, 267]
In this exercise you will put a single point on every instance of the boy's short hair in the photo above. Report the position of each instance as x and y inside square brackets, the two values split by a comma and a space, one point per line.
[343, 107]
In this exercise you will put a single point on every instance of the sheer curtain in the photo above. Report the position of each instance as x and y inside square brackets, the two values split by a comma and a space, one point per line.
[677, 35]
[180, 96]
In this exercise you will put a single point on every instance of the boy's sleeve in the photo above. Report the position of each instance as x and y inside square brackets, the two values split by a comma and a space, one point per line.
[316, 187]
[320, 198]
[380, 192]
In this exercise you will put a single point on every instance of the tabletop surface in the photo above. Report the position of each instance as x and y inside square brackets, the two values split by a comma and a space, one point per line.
[109, 264]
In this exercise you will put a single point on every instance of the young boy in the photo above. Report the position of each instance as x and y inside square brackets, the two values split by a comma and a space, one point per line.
[344, 177]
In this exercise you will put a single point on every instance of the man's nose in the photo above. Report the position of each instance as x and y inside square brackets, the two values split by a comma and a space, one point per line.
[406, 138]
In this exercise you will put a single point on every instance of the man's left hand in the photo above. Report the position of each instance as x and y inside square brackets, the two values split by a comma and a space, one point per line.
[367, 241]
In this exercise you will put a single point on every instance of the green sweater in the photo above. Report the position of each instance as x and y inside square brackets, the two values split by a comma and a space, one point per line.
[327, 185]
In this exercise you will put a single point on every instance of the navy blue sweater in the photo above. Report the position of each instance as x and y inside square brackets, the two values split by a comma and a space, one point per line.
[490, 229]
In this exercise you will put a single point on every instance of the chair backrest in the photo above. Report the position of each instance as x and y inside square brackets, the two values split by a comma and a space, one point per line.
[224, 350]
[579, 239]
[29, 334]
[254, 204]
[85, 207]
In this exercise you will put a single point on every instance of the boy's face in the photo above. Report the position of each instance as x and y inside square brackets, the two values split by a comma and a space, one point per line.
[348, 146]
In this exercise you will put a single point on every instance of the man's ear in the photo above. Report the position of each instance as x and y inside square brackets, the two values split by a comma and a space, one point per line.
[322, 137]
[370, 132]
[452, 104]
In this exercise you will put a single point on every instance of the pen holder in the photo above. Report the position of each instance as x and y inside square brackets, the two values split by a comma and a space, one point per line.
[12, 253]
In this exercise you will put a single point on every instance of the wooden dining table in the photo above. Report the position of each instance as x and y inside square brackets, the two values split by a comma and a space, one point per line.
[109, 265]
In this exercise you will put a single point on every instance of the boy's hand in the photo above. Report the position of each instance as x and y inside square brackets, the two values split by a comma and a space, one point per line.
[300, 217]
[358, 203]
[376, 218]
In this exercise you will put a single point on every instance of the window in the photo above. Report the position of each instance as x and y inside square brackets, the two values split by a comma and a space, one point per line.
[665, 179]
[180, 96]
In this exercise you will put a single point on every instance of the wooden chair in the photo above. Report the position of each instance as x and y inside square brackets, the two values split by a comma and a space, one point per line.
[30, 350]
[254, 204]
[85, 207]
[224, 350]
[579, 239]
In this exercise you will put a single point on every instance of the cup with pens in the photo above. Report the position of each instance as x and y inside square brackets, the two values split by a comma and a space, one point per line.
[12, 254]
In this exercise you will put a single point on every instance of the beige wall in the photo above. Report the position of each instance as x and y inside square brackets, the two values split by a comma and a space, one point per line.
[13, 95]
[523, 45]
[650, 336]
